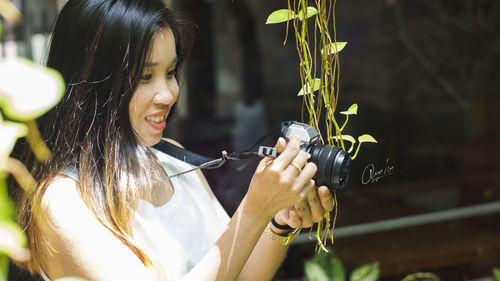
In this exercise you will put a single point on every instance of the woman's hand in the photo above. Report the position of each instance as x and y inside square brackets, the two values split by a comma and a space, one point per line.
[281, 182]
[309, 211]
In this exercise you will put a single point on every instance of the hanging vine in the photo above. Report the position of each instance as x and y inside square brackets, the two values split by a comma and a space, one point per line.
[319, 68]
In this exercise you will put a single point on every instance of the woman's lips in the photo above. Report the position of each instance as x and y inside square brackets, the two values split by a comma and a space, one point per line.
[157, 120]
[158, 126]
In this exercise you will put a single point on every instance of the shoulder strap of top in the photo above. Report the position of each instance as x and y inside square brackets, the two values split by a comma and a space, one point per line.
[71, 172]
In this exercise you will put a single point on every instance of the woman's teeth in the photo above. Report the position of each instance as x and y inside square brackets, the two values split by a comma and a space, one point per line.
[156, 119]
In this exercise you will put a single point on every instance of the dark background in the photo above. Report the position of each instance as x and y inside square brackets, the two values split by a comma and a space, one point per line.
[425, 76]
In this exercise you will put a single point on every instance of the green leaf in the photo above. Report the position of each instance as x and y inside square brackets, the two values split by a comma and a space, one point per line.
[353, 110]
[311, 11]
[334, 48]
[27, 90]
[427, 276]
[7, 210]
[367, 272]
[366, 138]
[337, 272]
[496, 273]
[1, 29]
[345, 138]
[315, 272]
[280, 16]
[4, 267]
[10, 132]
[307, 88]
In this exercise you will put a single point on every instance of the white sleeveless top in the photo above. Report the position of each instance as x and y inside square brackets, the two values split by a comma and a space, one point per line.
[179, 233]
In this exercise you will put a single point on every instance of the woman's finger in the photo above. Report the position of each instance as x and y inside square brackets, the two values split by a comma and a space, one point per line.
[280, 147]
[326, 198]
[296, 165]
[304, 213]
[283, 160]
[302, 182]
[295, 220]
[317, 210]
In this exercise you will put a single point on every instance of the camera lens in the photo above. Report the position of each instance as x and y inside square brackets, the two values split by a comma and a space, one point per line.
[334, 165]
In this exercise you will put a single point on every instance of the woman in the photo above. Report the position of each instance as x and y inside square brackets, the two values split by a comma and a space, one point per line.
[99, 211]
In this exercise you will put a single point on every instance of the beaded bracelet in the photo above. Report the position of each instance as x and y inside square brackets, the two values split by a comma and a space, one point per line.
[282, 240]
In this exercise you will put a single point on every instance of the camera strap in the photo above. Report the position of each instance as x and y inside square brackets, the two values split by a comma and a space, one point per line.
[203, 162]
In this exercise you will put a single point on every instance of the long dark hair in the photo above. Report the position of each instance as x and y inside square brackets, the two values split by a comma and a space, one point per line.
[100, 48]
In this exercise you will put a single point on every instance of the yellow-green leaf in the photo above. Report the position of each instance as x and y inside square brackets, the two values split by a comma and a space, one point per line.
[306, 89]
[366, 138]
[10, 132]
[334, 48]
[1, 29]
[281, 15]
[311, 11]
[27, 90]
[367, 272]
[353, 110]
[345, 138]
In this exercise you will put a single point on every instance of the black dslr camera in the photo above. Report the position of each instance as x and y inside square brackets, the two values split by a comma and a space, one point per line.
[334, 164]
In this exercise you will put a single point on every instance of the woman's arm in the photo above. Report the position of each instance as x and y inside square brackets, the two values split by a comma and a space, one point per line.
[268, 255]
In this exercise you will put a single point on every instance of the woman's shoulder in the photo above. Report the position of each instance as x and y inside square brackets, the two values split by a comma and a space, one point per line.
[61, 202]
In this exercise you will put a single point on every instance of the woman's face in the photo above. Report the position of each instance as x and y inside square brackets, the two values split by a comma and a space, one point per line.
[157, 91]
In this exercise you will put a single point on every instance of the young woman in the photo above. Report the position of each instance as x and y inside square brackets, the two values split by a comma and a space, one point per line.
[100, 211]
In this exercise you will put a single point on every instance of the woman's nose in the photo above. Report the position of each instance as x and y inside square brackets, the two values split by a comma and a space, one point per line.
[167, 93]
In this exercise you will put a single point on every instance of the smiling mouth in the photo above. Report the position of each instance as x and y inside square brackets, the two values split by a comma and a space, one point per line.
[157, 119]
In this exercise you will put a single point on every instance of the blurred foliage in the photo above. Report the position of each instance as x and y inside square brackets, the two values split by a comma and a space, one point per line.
[20, 102]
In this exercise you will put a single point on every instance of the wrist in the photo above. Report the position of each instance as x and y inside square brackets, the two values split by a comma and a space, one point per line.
[280, 228]
[283, 239]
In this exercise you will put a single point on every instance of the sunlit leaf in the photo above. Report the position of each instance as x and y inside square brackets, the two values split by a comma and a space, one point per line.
[10, 132]
[10, 12]
[345, 138]
[348, 138]
[367, 272]
[315, 272]
[281, 15]
[334, 48]
[311, 11]
[13, 241]
[306, 89]
[366, 138]
[353, 110]
[1, 29]
[28, 90]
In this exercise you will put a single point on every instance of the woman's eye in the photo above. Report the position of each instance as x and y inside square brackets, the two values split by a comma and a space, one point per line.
[146, 77]
[172, 73]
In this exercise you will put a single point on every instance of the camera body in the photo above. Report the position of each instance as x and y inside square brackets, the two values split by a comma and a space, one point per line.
[334, 164]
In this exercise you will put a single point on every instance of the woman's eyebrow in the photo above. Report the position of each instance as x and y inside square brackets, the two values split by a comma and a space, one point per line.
[153, 64]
